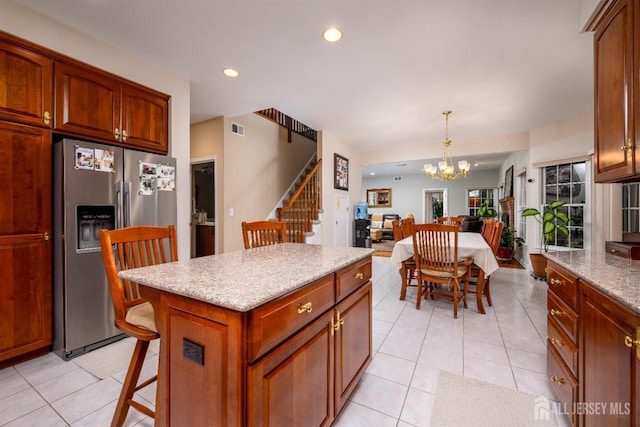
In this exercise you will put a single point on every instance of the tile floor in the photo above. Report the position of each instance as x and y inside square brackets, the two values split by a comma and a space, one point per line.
[506, 347]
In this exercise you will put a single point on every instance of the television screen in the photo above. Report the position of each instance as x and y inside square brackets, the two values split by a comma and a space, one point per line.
[361, 210]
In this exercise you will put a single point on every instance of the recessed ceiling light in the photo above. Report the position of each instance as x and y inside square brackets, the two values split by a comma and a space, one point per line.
[230, 72]
[332, 34]
[372, 173]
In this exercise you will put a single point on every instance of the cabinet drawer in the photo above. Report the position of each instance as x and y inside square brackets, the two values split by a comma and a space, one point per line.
[351, 278]
[272, 323]
[565, 347]
[562, 382]
[564, 316]
[563, 283]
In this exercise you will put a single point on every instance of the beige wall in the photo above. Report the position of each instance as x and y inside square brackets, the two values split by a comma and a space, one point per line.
[22, 22]
[254, 172]
[330, 144]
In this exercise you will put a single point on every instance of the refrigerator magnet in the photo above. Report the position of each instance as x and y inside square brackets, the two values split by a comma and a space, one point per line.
[84, 158]
[103, 160]
[147, 185]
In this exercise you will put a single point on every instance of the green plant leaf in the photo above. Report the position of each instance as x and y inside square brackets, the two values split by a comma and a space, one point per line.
[548, 228]
[562, 216]
[548, 216]
[530, 212]
[564, 230]
[556, 204]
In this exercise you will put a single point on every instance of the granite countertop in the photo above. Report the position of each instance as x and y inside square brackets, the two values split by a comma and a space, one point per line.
[614, 276]
[244, 279]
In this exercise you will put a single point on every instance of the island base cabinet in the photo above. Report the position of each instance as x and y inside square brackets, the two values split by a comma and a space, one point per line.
[293, 385]
[611, 377]
[306, 381]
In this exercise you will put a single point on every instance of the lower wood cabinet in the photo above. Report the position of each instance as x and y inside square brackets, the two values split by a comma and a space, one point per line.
[293, 361]
[611, 364]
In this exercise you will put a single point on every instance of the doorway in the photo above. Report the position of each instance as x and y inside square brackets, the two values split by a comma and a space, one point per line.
[203, 207]
[434, 204]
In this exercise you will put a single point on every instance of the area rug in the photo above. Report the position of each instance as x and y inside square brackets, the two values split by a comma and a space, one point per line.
[463, 401]
[383, 248]
[512, 264]
[113, 358]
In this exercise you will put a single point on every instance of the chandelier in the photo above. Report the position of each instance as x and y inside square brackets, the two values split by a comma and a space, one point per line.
[445, 169]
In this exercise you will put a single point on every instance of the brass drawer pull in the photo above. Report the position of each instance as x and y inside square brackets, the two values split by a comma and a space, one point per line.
[116, 133]
[557, 341]
[555, 312]
[358, 275]
[629, 145]
[305, 308]
[555, 281]
[556, 379]
[47, 118]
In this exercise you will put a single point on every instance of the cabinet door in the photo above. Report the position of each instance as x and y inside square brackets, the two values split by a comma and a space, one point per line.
[87, 102]
[614, 92]
[25, 86]
[25, 250]
[610, 368]
[293, 385]
[353, 343]
[145, 119]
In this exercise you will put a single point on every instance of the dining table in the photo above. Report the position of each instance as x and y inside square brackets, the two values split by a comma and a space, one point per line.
[470, 245]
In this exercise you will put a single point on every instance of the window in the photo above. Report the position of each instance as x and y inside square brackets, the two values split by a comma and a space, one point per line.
[476, 196]
[521, 228]
[567, 182]
[631, 208]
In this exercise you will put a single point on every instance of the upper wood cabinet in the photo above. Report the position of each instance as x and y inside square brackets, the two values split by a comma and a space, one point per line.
[617, 147]
[95, 104]
[25, 86]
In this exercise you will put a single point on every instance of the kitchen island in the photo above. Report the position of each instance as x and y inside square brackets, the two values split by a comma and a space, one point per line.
[593, 346]
[271, 336]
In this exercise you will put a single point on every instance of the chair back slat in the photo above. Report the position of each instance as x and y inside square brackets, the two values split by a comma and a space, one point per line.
[487, 229]
[397, 231]
[134, 247]
[263, 233]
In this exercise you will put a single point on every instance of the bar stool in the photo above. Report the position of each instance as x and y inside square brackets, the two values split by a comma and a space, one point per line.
[123, 249]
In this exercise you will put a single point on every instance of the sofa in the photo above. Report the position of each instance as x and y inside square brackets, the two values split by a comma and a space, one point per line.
[471, 223]
[384, 222]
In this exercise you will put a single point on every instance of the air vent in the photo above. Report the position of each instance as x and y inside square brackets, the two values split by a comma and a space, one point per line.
[237, 129]
[397, 178]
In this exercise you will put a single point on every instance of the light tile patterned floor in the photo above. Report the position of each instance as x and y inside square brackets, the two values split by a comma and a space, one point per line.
[506, 347]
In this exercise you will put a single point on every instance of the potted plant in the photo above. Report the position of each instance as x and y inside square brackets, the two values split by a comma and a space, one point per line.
[507, 244]
[486, 211]
[551, 220]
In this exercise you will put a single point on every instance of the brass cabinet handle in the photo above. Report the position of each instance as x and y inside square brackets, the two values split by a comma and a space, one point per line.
[47, 117]
[628, 146]
[629, 342]
[305, 308]
[557, 341]
[358, 275]
[555, 281]
[47, 237]
[116, 133]
[336, 326]
[555, 312]
[124, 135]
[556, 379]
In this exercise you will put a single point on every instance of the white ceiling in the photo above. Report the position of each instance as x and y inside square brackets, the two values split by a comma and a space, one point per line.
[502, 66]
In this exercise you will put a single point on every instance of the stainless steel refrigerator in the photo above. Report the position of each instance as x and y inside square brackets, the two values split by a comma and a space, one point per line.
[98, 186]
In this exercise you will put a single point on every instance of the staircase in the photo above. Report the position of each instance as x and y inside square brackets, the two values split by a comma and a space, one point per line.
[302, 210]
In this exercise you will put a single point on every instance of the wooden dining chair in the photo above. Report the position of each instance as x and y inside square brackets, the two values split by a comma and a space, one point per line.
[408, 226]
[263, 233]
[435, 249]
[487, 229]
[408, 265]
[493, 240]
[122, 249]
[451, 220]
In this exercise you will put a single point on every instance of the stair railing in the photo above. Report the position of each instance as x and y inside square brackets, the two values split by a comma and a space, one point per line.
[303, 206]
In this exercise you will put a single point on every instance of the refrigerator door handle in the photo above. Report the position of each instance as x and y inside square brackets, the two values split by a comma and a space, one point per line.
[119, 204]
[127, 204]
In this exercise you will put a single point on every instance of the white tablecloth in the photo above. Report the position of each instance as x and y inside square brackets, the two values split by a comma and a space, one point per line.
[470, 245]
